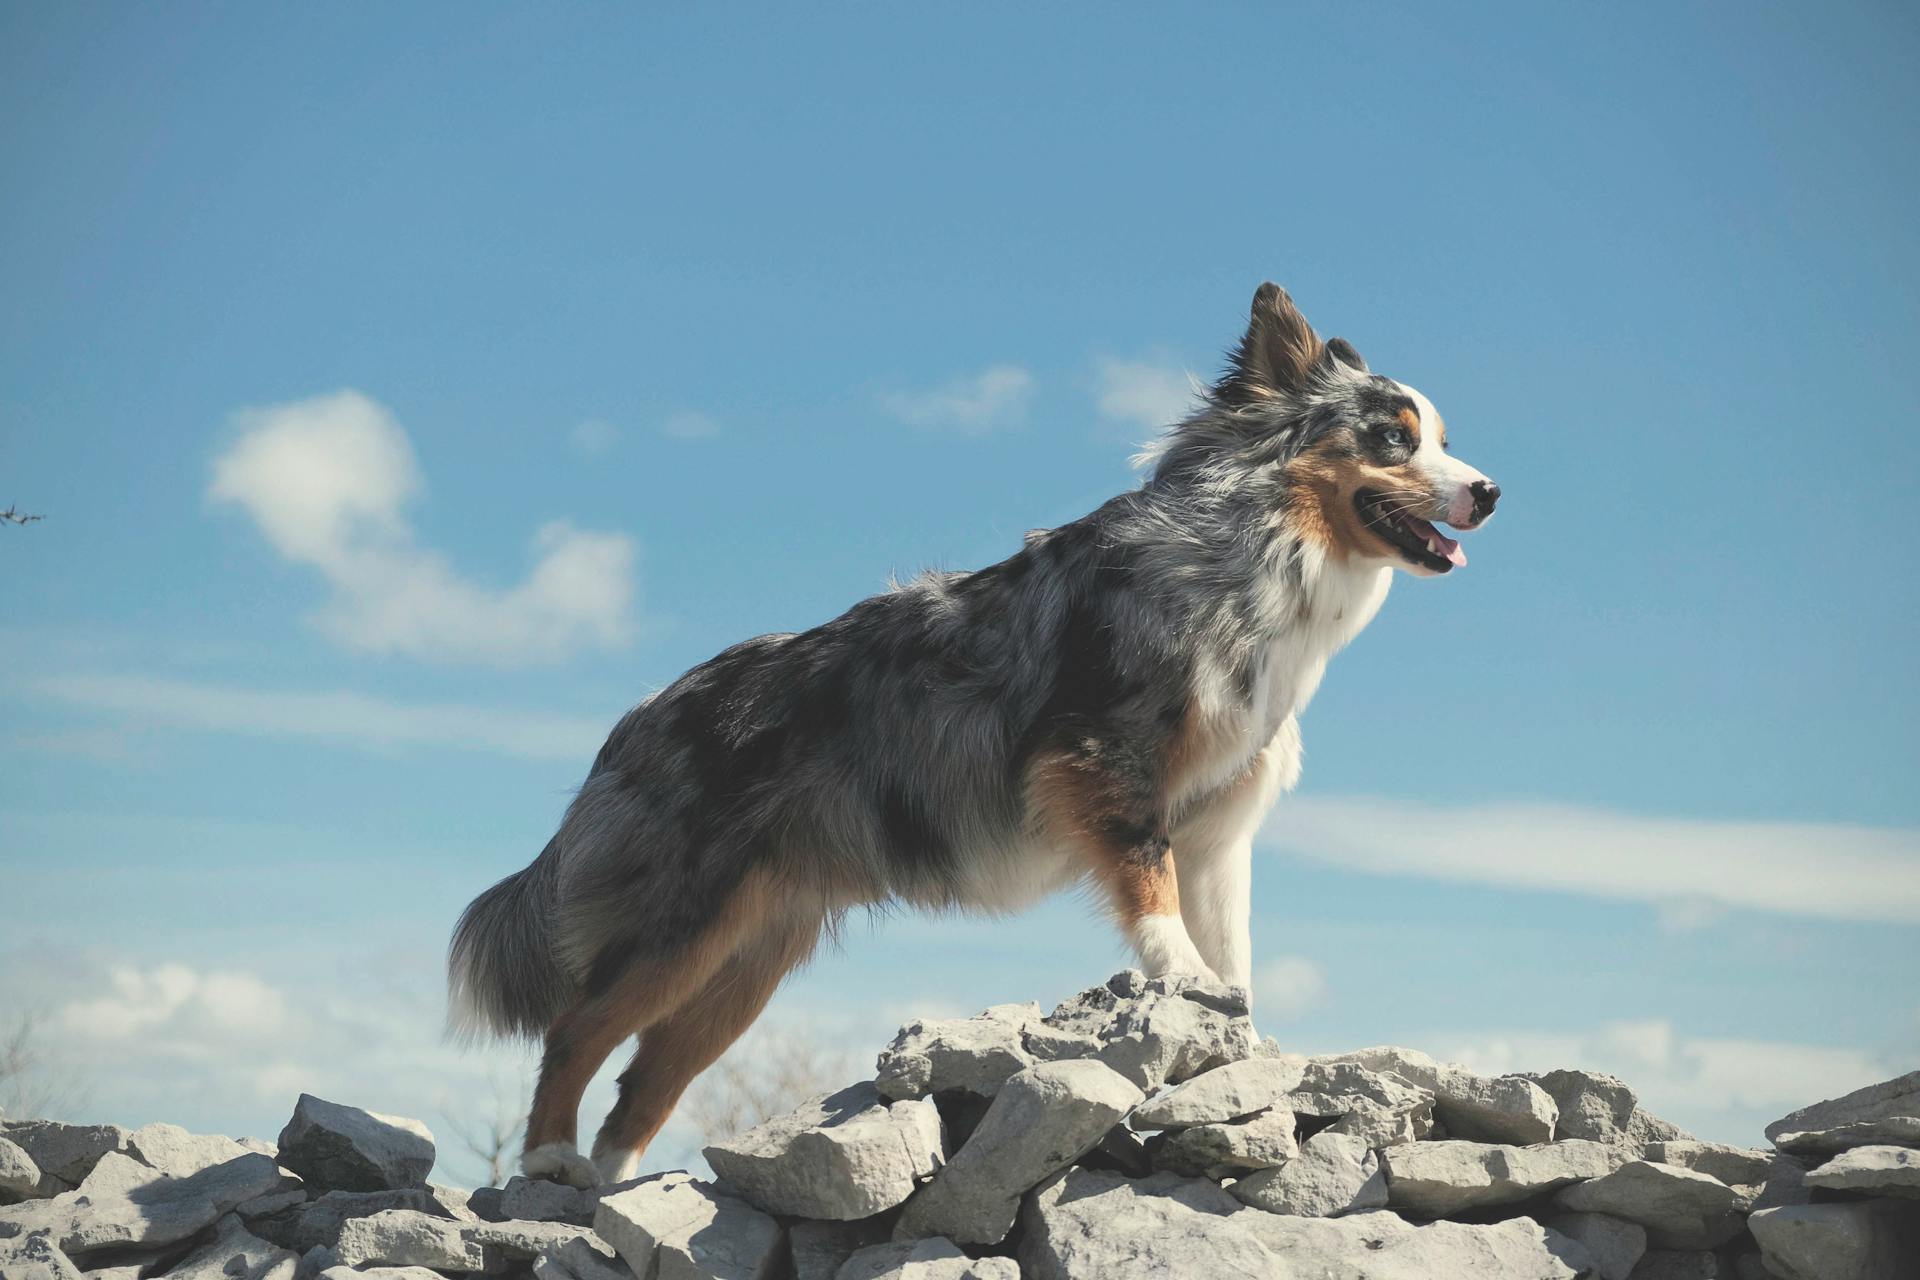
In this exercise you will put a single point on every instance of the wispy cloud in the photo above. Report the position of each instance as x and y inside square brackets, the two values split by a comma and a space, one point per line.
[972, 405]
[594, 437]
[1143, 393]
[351, 719]
[689, 425]
[327, 481]
[1286, 987]
[1688, 869]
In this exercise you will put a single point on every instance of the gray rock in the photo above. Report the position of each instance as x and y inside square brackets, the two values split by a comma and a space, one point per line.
[339, 1148]
[1334, 1173]
[675, 1227]
[1155, 1030]
[65, 1151]
[1887, 1113]
[1223, 1094]
[934, 1258]
[1614, 1244]
[35, 1257]
[1436, 1179]
[1505, 1109]
[20, 1177]
[1601, 1108]
[172, 1150]
[537, 1200]
[159, 1212]
[1679, 1208]
[1857, 1240]
[1760, 1179]
[508, 1242]
[1043, 1119]
[1218, 1151]
[379, 1273]
[1679, 1264]
[1088, 1224]
[316, 1223]
[583, 1258]
[408, 1238]
[1880, 1171]
[969, 1054]
[840, 1156]
[1384, 1246]
[1122, 1151]
[235, 1253]
[1380, 1109]
[821, 1248]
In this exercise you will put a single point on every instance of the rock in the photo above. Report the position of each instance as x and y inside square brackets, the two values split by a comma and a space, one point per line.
[1601, 1108]
[379, 1273]
[969, 1054]
[840, 1156]
[317, 1223]
[1223, 1094]
[537, 1200]
[1123, 1152]
[507, 1242]
[1228, 1150]
[1679, 1208]
[1504, 1109]
[408, 1238]
[1436, 1179]
[159, 1212]
[1614, 1244]
[65, 1151]
[340, 1148]
[1759, 1179]
[1384, 1246]
[675, 1227]
[1334, 1173]
[1880, 1171]
[235, 1253]
[1887, 1113]
[1089, 1224]
[1857, 1240]
[934, 1258]
[583, 1258]
[1043, 1119]
[35, 1257]
[172, 1150]
[1155, 1030]
[821, 1248]
[1381, 1110]
[1679, 1264]
[20, 1177]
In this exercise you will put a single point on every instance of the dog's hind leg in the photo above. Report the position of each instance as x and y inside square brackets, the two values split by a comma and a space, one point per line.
[688, 1041]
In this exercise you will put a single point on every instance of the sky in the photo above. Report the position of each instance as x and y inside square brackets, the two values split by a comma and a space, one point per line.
[408, 392]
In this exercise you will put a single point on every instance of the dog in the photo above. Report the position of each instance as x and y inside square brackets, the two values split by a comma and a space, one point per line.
[1114, 706]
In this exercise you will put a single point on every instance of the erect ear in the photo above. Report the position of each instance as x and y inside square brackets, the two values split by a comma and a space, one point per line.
[1341, 351]
[1278, 354]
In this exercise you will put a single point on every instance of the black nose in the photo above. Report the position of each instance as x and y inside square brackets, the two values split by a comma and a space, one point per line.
[1485, 494]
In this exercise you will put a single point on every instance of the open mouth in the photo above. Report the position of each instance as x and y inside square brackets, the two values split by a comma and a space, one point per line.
[1415, 539]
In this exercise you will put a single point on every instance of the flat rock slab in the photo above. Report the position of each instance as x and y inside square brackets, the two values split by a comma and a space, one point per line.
[160, 1212]
[840, 1156]
[585, 1258]
[1601, 1108]
[1861, 1240]
[408, 1238]
[537, 1200]
[317, 1223]
[235, 1253]
[1614, 1244]
[340, 1148]
[1887, 1113]
[675, 1227]
[1384, 1246]
[1879, 1171]
[1679, 1208]
[172, 1150]
[1042, 1120]
[1334, 1173]
[1437, 1179]
[65, 1151]
[972, 1055]
[1159, 1030]
[1221, 1095]
[821, 1248]
[1760, 1178]
[1217, 1151]
[1504, 1109]
[935, 1258]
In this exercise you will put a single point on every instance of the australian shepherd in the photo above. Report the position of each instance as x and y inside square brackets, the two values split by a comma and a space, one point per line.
[1114, 705]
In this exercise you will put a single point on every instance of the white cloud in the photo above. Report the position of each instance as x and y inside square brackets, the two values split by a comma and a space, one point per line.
[145, 1001]
[1687, 869]
[593, 437]
[351, 718]
[690, 425]
[972, 405]
[1286, 987]
[327, 481]
[1143, 393]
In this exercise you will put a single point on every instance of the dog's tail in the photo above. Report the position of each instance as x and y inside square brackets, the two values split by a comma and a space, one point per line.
[502, 975]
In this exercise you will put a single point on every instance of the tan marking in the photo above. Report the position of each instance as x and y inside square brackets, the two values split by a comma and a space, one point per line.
[1068, 801]
[1324, 480]
[1410, 419]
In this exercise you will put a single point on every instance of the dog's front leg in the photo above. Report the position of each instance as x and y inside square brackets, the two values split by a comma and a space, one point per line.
[1144, 892]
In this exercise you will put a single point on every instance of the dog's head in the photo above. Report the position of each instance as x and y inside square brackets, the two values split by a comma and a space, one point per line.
[1362, 461]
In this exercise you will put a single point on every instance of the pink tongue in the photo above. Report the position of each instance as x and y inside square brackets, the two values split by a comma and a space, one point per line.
[1449, 548]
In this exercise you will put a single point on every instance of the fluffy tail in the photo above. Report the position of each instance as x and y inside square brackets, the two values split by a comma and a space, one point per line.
[502, 976]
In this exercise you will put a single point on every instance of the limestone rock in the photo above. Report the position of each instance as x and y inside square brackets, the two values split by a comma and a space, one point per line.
[379, 1273]
[172, 1150]
[537, 1200]
[583, 1258]
[675, 1227]
[1155, 1030]
[1384, 1246]
[1601, 1108]
[1887, 1113]
[159, 1212]
[1043, 1119]
[408, 1238]
[64, 1151]
[1679, 1264]
[340, 1148]
[1436, 1179]
[235, 1253]
[969, 1054]
[821, 1248]
[1223, 1094]
[840, 1156]
[35, 1257]
[1334, 1173]
[317, 1223]
[1381, 1110]
[508, 1242]
[1857, 1240]
[1228, 1150]
[934, 1258]
[1614, 1244]
[1505, 1109]
[1089, 1224]
[20, 1177]
[1679, 1208]
[1760, 1179]
[1880, 1171]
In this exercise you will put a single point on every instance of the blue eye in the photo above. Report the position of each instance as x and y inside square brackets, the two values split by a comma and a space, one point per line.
[1395, 436]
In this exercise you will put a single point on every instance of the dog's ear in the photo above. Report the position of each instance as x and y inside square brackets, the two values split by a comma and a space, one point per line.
[1278, 354]
[1340, 351]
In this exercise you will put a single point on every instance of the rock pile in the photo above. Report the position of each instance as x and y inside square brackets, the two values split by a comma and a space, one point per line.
[1140, 1129]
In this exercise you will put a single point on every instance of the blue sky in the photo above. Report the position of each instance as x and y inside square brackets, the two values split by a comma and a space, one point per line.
[622, 336]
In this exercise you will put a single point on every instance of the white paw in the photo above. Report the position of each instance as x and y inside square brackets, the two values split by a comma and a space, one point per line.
[559, 1162]
[614, 1166]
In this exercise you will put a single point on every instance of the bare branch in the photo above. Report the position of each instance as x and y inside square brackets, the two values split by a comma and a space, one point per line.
[30, 1086]
[13, 515]
[491, 1138]
[765, 1076]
